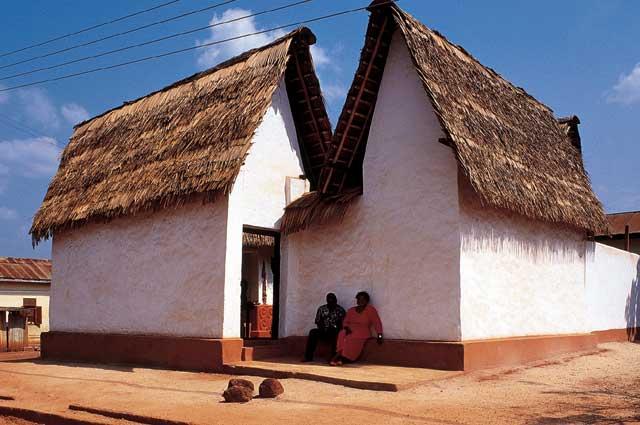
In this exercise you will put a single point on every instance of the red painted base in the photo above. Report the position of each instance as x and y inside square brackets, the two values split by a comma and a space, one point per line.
[202, 354]
[198, 354]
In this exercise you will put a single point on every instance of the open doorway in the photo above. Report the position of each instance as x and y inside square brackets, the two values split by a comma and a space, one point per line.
[260, 283]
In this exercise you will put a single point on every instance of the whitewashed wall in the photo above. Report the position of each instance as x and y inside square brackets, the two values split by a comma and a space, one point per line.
[258, 196]
[612, 288]
[518, 276]
[400, 240]
[160, 273]
[176, 272]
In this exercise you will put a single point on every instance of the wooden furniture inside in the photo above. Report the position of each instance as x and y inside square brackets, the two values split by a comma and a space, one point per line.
[261, 319]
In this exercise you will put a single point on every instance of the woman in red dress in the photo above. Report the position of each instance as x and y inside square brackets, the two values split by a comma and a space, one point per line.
[356, 329]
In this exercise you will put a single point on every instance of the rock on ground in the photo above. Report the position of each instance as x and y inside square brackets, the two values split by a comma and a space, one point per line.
[237, 394]
[238, 382]
[271, 388]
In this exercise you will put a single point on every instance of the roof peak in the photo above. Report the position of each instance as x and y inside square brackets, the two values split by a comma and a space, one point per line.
[184, 142]
[499, 132]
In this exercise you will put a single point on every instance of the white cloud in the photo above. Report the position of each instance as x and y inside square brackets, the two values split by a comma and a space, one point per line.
[74, 113]
[38, 107]
[35, 157]
[212, 55]
[320, 56]
[334, 92]
[8, 214]
[627, 90]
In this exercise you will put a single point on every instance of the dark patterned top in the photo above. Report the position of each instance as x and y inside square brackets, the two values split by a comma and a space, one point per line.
[327, 319]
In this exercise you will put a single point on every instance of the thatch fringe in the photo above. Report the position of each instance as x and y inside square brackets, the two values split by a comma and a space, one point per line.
[254, 240]
[172, 146]
[314, 208]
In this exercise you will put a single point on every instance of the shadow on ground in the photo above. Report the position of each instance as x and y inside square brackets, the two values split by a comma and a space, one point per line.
[597, 406]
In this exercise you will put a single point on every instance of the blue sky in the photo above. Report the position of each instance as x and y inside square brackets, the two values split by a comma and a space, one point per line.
[577, 56]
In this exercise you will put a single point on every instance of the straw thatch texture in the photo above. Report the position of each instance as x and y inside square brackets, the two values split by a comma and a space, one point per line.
[314, 208]
[514, 152]
[183, 142]
[510, 146]
[255, 240]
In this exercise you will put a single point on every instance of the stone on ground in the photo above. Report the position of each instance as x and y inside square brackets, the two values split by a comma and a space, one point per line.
[237, 394]
[270, 388]
[237, 382]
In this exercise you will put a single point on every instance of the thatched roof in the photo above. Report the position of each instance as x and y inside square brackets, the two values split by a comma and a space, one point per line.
[185, 141]
[256, 240]
[314, 208]
[514, 152]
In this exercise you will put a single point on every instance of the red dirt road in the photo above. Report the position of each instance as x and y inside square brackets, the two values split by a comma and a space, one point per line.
[601, 386]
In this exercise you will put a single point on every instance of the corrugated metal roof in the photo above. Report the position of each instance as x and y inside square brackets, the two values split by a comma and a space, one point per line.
[618, 221]
[22, 269]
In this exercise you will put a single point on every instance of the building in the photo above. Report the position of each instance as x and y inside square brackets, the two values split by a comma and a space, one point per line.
[624, 231]
[455, 198]
[153, 201]
[464, 204]
[26, 282]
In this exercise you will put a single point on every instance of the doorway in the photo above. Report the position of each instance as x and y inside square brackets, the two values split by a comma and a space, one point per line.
[260, 283]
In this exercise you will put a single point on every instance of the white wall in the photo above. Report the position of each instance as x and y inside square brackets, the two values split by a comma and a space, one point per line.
[175, 272]
[612, 288]
[518, 276]
[400, 240]
[160, 273]
[258, 197]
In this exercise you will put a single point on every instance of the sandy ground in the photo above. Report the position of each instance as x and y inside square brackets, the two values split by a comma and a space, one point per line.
[600, 386]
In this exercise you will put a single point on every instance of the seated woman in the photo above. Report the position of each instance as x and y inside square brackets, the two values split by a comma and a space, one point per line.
[356, 329]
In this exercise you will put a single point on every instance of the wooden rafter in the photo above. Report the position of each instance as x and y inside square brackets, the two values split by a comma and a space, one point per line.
[307, 99]
[353, 114]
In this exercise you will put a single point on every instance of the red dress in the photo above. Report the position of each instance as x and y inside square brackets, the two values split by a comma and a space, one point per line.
[350, 346]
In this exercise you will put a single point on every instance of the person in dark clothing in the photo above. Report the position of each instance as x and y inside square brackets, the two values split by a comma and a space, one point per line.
[329, 322]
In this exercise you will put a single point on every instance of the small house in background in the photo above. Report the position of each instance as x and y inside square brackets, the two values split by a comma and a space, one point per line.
[25, 285]
[624, 231]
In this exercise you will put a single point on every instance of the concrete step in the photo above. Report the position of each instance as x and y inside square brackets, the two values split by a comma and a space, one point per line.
[262, 352]
[360, 376]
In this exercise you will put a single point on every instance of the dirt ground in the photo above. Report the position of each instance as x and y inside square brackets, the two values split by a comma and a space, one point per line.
[601, 386]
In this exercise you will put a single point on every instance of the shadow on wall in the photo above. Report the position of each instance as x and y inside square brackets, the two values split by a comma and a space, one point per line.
[632, 309]
[498, 232]
[487, 230]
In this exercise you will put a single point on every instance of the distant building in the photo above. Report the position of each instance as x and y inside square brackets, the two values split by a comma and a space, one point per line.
[624, 231]
[26, 282]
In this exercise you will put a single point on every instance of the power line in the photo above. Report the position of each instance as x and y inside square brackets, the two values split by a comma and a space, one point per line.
[8, 121]
[121, 49]
[108, 37]
[174, 52]
[122, 18]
